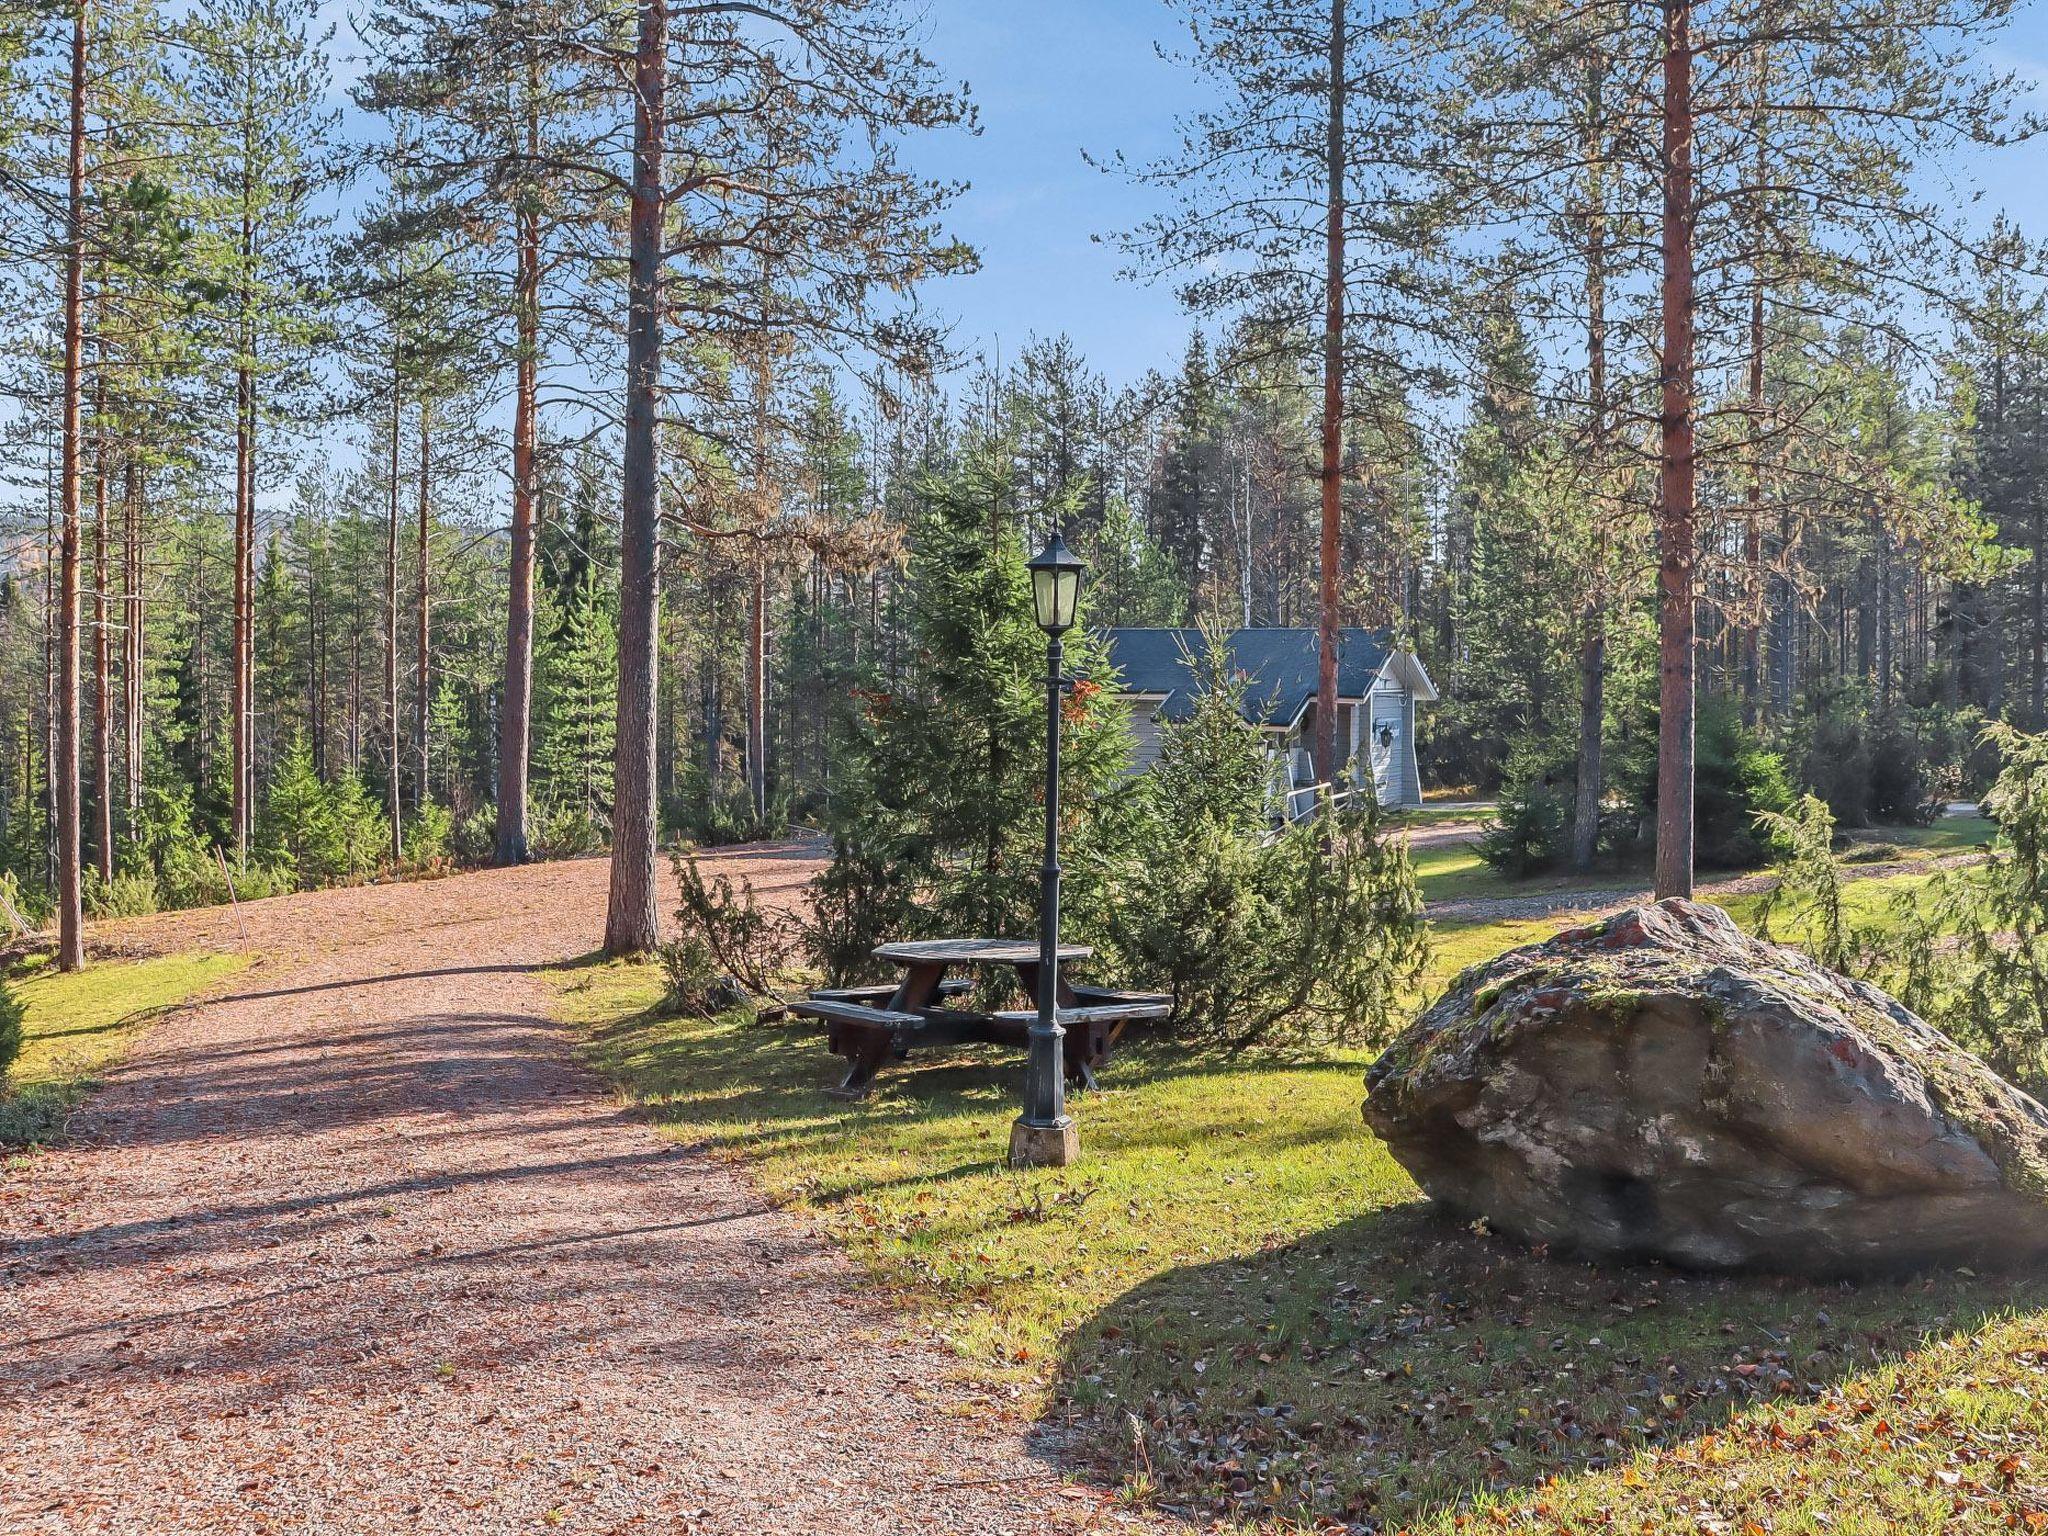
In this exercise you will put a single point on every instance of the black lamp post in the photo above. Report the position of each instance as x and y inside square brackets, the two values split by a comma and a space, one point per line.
[1044, 1135]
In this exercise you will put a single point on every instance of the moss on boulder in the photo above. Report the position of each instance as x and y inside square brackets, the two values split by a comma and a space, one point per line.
[1660, 1085]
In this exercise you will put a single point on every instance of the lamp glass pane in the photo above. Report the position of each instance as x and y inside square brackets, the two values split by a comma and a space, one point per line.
[1042, 599]
[1067, 597]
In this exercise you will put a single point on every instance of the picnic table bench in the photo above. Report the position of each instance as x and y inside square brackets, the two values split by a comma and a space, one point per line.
[873, 1024]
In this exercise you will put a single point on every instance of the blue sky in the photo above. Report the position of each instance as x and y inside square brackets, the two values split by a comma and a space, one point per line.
[1055, 78]
[1051, 78]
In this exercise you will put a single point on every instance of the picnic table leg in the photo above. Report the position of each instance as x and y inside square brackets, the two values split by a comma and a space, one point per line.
[866, 1050]
[919, 987]
[1080, 1048]
[1087, 1048]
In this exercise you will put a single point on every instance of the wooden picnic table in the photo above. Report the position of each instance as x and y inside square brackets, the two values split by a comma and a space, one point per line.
[869, 1025]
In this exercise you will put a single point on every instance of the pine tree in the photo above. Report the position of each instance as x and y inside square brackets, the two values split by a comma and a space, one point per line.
[576, 684]
[933, 816]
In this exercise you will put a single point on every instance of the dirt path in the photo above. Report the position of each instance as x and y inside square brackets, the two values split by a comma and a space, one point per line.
[359, 1248]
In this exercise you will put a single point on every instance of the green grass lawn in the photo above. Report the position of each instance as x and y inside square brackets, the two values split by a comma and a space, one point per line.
[1243, 1301]
[1951, 834]
[80, 1023]
[1456, 872]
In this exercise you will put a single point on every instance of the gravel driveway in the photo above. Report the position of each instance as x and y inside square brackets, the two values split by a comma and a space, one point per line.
[358, 1247]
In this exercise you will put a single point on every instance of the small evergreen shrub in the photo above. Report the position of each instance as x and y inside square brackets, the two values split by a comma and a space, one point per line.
[1809, 887]
[1311, 930]
[718, 816]
[567, 830]
[1970, 949]
[131, 893]
[430, 838]
[1736, 780]
[723, 933]
[691, 980]
[857, 902]
[1531, 827]
[475, 838]
[1877, 771]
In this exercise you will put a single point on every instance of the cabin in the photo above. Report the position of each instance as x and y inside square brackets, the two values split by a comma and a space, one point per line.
[1378, 686]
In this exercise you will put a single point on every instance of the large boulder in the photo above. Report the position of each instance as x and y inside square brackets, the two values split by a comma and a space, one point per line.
[1660, 1085]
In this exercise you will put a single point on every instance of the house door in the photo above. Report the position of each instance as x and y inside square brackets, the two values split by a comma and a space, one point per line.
[1383, 740]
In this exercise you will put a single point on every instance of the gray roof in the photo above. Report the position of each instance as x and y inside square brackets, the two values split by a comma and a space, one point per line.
[1279, 667]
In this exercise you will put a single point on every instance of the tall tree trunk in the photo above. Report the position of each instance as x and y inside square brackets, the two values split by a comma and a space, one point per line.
[2037, 619]
[1753, 604]
[132, 642]
[423, 624]
[51, 545]
[64, 770]
[242, 641]
[394, 732]
[757, 589]
[316, 642]
[102, 656]
[515, 717]
[632, 923]
[1593, 619]
[1675, 513]
[1326, 764]
[757, 686]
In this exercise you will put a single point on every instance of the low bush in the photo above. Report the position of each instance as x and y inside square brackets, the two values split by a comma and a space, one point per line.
[430, 838]
[712, 816]
[1737, 782]
[567, 830]
[29, 905]
[1892, 770]
[475, 838]
[727, 945]
[131, 893]
[39, 1114]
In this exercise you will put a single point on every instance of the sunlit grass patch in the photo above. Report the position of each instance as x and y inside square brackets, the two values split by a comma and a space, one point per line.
[81, 1022]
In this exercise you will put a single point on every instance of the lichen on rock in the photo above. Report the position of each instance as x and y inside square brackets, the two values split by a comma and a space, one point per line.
[1660, 1085]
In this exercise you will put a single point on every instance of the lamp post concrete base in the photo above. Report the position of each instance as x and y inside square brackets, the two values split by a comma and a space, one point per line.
[1045, 1146]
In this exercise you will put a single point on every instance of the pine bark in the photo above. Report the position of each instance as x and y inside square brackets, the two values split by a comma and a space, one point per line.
[757, 686]
[394, 732]
[64, 767]
[102, 656]
[423, 622]
[1675, 620]
[132, 620]
[1593, 618]
[515, 717]
[632, 924]
[1753, 519]
[242, 645]
[1327, 767]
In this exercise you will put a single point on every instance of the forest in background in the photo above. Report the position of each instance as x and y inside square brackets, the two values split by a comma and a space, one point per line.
[639, 456]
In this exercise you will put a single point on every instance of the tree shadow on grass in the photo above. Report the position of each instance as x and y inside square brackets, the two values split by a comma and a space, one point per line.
[739, 1085]
[1389, 1371]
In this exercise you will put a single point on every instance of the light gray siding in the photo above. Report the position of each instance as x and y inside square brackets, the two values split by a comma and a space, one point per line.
[1144, 731]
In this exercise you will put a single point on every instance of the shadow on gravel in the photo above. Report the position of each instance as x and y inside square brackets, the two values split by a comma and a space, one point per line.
[1393, 1367]
[385, 978]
